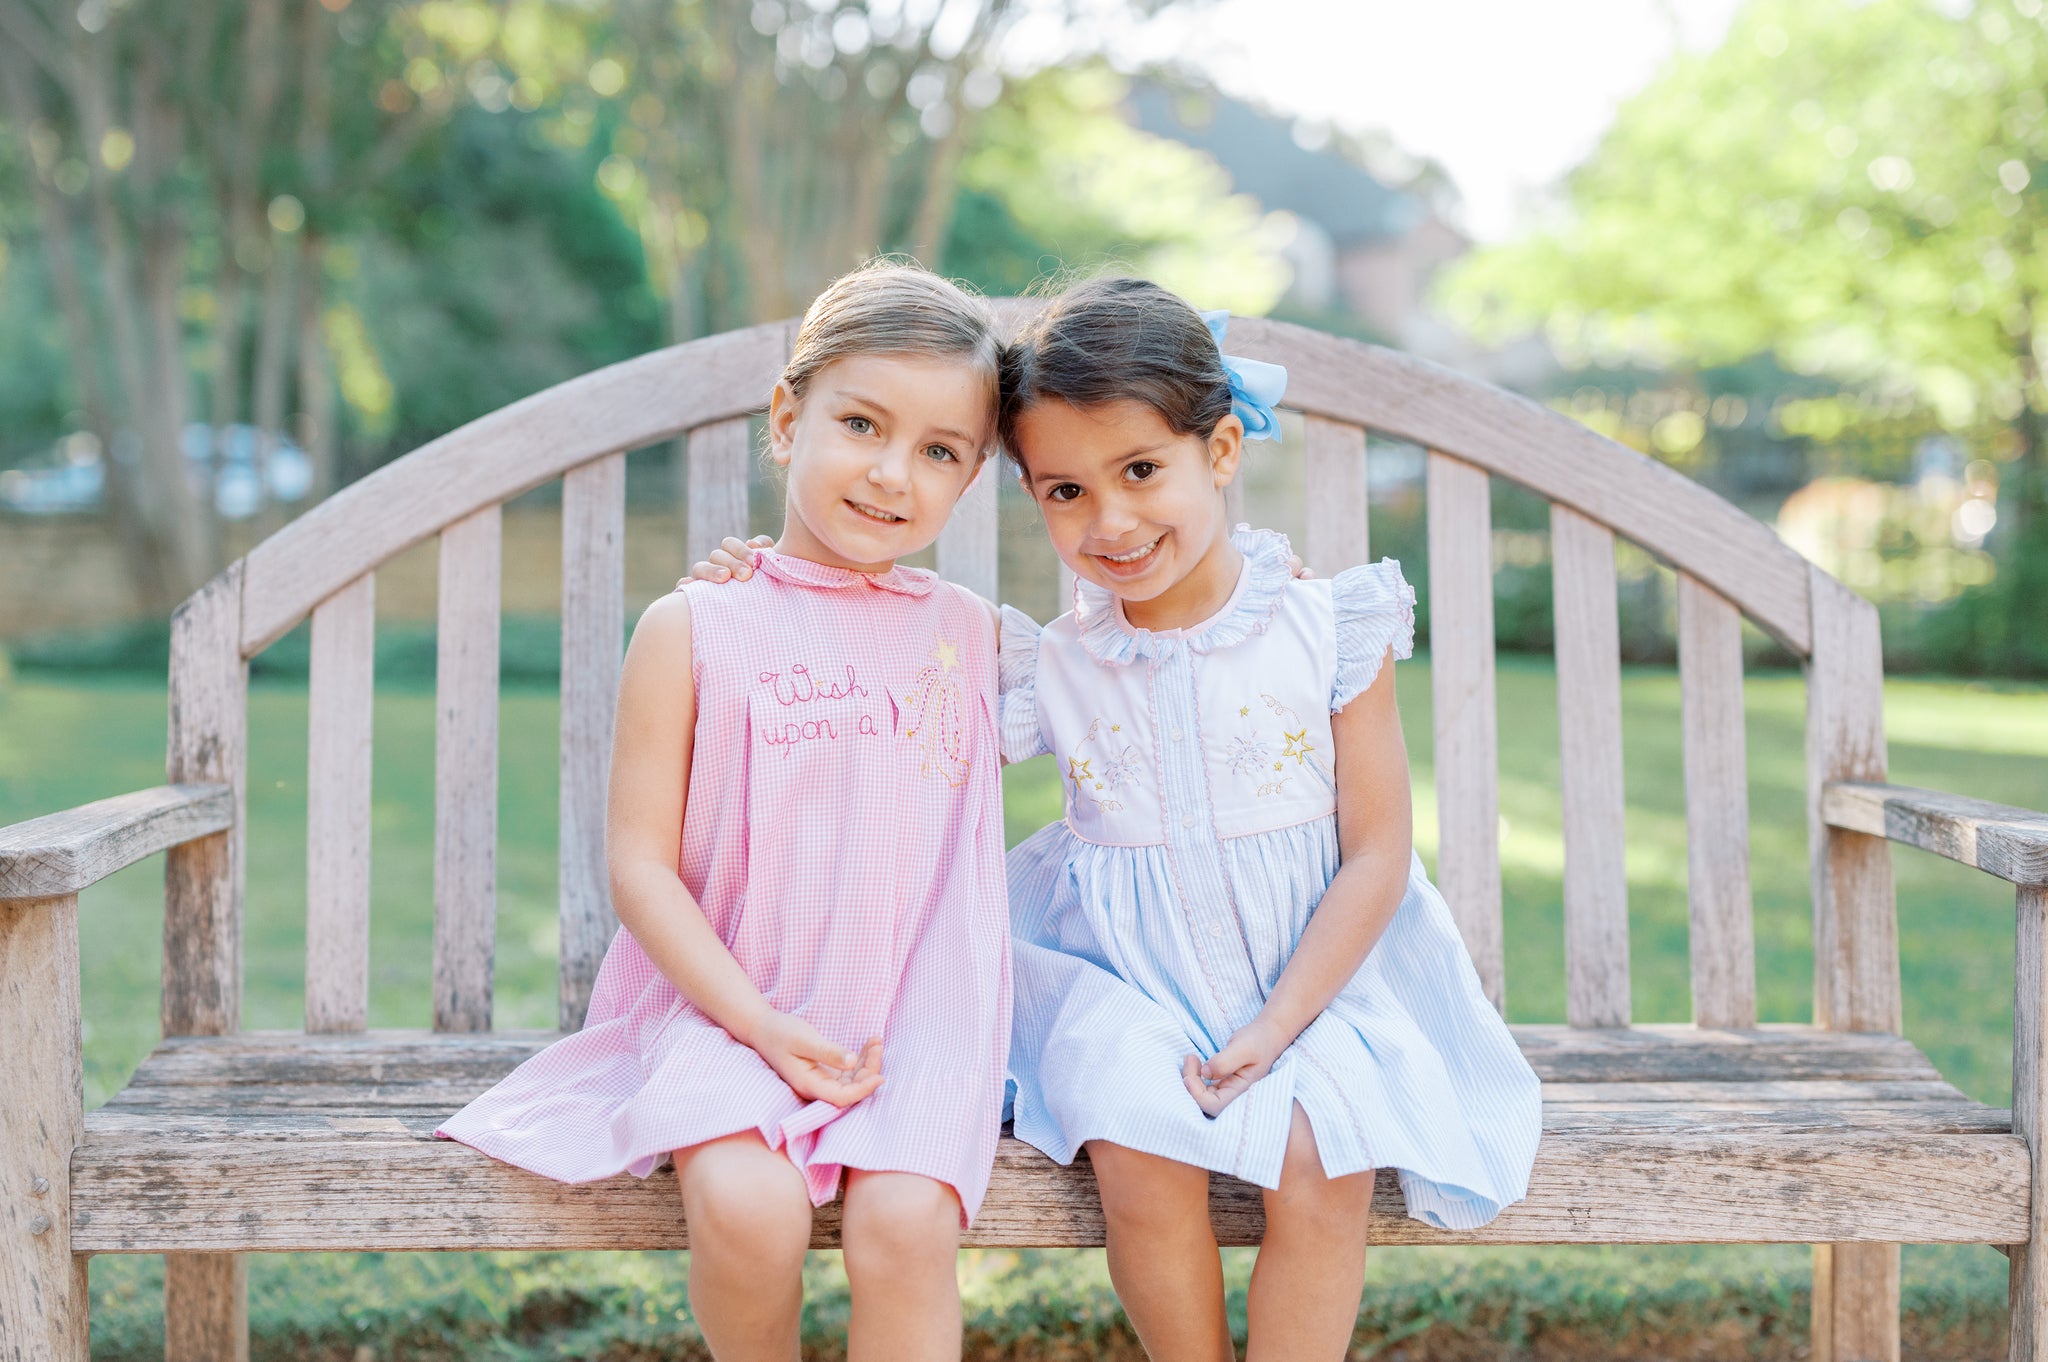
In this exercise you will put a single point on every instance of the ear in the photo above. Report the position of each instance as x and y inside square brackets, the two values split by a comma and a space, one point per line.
[782, 413]
[1226, 447]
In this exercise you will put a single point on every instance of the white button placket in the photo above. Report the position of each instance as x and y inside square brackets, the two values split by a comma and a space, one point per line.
[1190, 821]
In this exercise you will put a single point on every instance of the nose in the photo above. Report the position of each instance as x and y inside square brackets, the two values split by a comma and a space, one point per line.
[890, 472]
[1112, 520]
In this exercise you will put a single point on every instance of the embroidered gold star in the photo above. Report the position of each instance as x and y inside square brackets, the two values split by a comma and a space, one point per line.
[946, 653]
[1243, 710]
[1077, 770]
[1298, 747]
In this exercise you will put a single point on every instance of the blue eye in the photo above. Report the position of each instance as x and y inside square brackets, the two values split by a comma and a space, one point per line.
[941, 454]
[860, 425]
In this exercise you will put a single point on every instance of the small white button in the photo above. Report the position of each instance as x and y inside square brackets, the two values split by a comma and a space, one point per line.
[1178, 735]
[1216, 929]
[1187, 820]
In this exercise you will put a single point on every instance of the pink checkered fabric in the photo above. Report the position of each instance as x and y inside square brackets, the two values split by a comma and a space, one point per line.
[843, 834]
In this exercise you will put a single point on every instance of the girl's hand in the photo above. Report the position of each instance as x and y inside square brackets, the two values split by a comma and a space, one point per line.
[1302, 571]
[815, 1069]
[1248, 1057]
[731, 561]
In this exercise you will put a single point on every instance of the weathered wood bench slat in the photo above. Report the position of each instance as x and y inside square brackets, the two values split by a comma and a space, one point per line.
[719, 455]
[466, 772]
[142, 1191]
[593, 630]
[62, 853]
[1723, 946]
[339, 703]
[1335, 479]
[1590, 783]
[1644, 1053]
[1995, 838]
[322, 1112]
[968, 547]
[1461, 678]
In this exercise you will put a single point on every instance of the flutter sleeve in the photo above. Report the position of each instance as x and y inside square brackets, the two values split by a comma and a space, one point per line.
[1017, 679]
[1375, 612]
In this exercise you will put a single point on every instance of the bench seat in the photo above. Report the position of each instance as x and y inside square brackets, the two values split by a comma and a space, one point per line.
[283, 1141]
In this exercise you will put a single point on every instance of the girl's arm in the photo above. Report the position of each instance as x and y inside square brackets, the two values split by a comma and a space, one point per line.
[650, 777]
[1375, 835]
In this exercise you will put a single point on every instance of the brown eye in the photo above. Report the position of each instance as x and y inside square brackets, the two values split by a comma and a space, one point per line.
[1062, 492]
[1141, 470]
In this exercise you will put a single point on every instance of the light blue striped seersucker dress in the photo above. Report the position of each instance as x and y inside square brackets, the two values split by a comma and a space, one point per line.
[1200, 831]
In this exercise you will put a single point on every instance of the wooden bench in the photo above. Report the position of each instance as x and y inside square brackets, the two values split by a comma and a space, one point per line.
[226, 1142]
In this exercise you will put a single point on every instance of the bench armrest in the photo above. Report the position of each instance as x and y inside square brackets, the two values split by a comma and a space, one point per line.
[1996, 838]
[62, 853]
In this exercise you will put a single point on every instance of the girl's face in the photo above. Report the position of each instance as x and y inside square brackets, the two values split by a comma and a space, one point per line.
[878, 451]
[1134, 507]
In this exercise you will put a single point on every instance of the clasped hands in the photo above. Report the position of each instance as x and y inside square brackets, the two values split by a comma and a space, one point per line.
[815, 1069]
[1228, 1074]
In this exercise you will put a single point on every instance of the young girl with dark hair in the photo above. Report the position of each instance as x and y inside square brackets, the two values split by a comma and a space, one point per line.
[1228, 957]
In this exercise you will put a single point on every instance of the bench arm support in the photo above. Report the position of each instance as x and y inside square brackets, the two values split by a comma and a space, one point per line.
[62, 853]
[1995, 838]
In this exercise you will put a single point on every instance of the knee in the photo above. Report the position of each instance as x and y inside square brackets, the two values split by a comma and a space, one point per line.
[1311, 1201]
[750, 1214]
[1144, 1195]
[894, 1218]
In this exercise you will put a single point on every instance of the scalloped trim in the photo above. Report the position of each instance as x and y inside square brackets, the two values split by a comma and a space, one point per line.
[1113, 641]
[1375, 611]
[1017, 685]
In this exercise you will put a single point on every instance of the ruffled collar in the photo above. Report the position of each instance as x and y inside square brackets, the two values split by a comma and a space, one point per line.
[1112, 639]
[904, 581]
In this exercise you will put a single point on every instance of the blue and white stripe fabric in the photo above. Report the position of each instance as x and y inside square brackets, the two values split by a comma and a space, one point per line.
[1200, 832]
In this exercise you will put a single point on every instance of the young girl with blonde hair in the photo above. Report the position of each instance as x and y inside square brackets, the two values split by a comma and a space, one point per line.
[805, 836]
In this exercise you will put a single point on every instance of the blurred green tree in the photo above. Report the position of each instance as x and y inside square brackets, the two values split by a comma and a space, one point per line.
[1850, 187]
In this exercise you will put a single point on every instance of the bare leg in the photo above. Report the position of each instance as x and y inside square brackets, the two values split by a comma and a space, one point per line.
[1162, 1253]
[902, 1239]
[750, 1222]
[1311, 1269]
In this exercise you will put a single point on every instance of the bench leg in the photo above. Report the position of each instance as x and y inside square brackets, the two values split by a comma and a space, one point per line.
[42, 1119]
[1855, 1303]
[206, 1307]
[2029, 1298]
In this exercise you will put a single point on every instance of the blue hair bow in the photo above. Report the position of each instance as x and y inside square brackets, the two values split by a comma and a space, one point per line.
[1255, 386]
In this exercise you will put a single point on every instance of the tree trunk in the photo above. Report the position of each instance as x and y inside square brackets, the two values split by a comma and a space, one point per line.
[273, 349]
[316, 385]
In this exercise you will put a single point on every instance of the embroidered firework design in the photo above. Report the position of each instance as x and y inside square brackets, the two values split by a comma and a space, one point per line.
[937, 709]
[1118, 759]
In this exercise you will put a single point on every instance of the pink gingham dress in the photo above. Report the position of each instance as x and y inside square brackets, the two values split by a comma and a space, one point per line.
[843, 834]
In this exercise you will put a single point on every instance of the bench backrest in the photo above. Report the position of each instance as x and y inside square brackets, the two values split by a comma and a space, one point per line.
[1728, 566]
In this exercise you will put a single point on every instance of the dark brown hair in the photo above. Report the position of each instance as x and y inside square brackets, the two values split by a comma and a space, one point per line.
[1114, 339]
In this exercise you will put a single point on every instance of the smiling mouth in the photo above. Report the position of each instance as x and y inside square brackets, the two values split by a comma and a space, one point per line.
[1124, 562]
[877, 514]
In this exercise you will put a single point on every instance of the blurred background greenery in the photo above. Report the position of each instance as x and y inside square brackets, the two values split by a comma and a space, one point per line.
[251, 250]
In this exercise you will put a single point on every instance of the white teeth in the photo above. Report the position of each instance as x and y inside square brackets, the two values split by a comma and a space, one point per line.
[873, 514]
[1134, 555]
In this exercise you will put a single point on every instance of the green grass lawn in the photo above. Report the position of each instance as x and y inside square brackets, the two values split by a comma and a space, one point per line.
[64, 742]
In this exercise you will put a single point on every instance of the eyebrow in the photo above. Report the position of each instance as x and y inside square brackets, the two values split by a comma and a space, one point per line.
[849, 395]
[1123, 460]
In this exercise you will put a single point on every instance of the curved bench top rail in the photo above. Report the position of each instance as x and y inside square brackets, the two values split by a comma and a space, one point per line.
[640, 401]
[1662, 510]
[495, 458]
